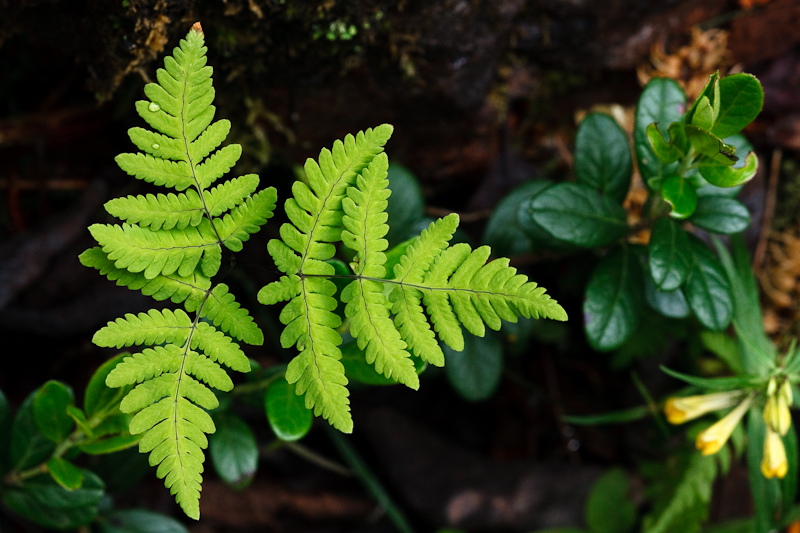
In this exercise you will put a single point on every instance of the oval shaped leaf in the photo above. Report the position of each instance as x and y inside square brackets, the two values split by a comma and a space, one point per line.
[603, 156]
[406, 204]
[535, 232]
[707, 288]
[50, 410]
[728, 176]
[29, 446]
[612, 306]
[140, 521]
[99, 398]
[667, 258]
[681, 195]
[65, 473]
[287, 413]
[42, 501]
[233, 450]
[577, 214]
[475, 371]
[503, 231]
[662, 102]
[741, 100]
[719, 214]
[671, 303]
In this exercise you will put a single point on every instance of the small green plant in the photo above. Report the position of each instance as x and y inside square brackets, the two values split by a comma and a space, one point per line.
[345, 202]
[170, 248]
[692, 178]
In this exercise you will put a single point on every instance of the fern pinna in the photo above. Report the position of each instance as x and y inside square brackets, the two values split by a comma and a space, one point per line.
[170, 247]
[345, 201]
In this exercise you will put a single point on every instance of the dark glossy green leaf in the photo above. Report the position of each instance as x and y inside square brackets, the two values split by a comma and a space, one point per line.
[287, 413]
[102, 446]
[139, 521]
[577, 214]
[608, 507]
[662, 102]
[50, 410]
[234, 450]
[707, 288]
[671, 303]
[42, 501]
[667, 259]
[728, 176]
[603, 156]
[539, 237]
[613, 303]
[406, 204]
[719, 214]
[66, 474]
[681, 195]
[668, 152]
[78, 416]
[504, 232]
[475, 371]
[98, 398]
[29, 446]
[741, 100]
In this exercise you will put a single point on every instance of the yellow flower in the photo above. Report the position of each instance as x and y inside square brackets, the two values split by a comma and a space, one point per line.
[776, 410]
[680, 409]
[774, 463]
[711, 440]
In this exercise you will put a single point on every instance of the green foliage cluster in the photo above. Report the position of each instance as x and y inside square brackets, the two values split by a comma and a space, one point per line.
[170, 248]
[691, 178]
[392, 314]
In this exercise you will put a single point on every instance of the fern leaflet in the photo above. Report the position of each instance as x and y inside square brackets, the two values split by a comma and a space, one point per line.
[345, 201]
[170, 247]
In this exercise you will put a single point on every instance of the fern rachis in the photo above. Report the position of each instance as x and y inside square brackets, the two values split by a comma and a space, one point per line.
[345, 201]
[170, 247]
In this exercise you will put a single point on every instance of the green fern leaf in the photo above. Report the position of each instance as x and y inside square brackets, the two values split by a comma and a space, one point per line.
[159, 212]
[246, 219]
[223, 310]
[160, 252]
[190, 290]
[169, 248]
[315, 214]
[365, 226]
[153, 327]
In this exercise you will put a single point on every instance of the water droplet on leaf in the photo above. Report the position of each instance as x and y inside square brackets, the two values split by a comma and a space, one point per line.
[153, 107]
[156, 146]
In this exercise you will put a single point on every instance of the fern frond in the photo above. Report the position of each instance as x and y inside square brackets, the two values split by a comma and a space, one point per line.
[153, 327]
[246, 219]
[160, 252]
[165, 211]
[365, 226]
[189, 290]
[315, 214]
[169, 248]
[223, 310]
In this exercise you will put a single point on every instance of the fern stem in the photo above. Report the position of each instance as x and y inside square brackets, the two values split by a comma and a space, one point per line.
[371, 482]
